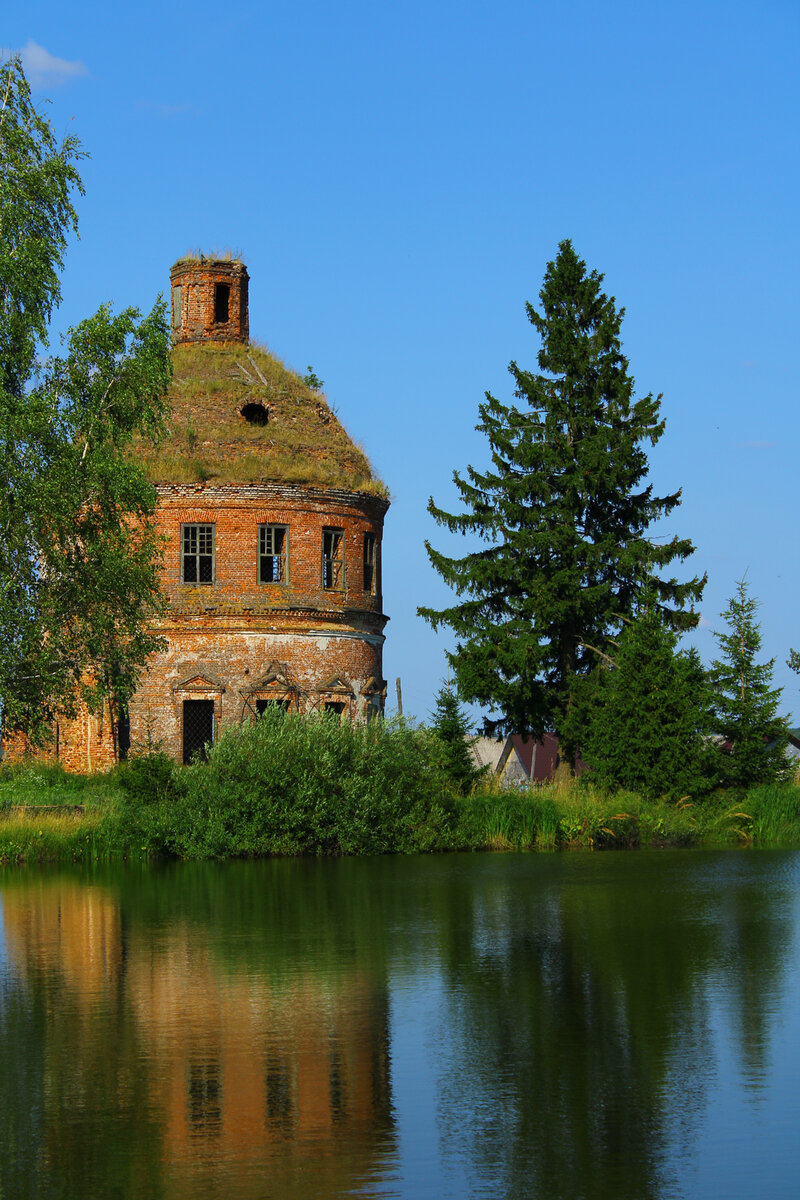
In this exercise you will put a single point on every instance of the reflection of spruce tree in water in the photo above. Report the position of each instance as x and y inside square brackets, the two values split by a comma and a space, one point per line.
[756, 926]
[582, 1048]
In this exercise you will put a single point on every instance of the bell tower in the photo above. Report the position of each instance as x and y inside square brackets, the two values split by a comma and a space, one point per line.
[209, 300]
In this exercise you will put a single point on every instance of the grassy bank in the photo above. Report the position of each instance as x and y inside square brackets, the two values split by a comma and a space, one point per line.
[579, 816]
[287, 787]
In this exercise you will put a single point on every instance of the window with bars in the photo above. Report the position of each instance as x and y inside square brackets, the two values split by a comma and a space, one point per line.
[198, 729]
[273, 544]
[369, 563]
[204, 1101]
[279, 703]
[333, 558]
[197, 553]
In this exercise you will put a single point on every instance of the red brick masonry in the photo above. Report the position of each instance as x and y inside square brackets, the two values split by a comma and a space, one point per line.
[237, 640]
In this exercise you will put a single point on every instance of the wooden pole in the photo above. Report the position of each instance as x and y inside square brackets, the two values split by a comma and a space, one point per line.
[399, 697]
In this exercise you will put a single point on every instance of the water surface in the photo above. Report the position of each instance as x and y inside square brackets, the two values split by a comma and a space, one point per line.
[541, 1026]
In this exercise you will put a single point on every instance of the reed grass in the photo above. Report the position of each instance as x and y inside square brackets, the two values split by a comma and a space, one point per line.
[579, 816]
[64, 838]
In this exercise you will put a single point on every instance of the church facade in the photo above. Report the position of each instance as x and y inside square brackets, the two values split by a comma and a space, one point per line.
[271, 522]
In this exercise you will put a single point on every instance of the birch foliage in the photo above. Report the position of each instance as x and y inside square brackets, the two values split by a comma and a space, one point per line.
[78, 550]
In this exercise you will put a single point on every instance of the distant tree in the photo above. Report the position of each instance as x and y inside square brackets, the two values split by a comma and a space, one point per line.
[452, 739]
[746, 704]
[646, 718]
[79, 581]
[564, 511]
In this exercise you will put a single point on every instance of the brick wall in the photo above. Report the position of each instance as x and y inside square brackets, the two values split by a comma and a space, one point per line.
[236, 511]
[234, 640]
[195, 316]
[83, 743]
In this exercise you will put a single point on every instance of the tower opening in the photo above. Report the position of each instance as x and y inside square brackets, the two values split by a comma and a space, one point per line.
[209, 300]
[222, 297]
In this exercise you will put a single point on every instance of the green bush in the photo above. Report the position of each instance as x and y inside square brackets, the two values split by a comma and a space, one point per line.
[149, 777]
[292, 785]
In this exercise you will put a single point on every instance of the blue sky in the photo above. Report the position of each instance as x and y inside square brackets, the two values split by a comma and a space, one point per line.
[397, 176]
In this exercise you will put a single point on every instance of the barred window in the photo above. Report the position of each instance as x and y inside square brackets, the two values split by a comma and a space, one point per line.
[333, 558]
[197, 554]
[369, 563]
[273, 544]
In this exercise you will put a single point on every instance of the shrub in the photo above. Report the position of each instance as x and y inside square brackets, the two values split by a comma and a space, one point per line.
[296, 785]
[148, 777]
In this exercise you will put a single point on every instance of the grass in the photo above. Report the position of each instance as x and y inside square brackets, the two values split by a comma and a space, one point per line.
[47, 838]
[292, 786]
[773, 815]
[48, 784]
[302, 442]
[578, 816]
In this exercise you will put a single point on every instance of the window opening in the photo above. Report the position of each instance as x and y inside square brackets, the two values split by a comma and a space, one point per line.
[369, 562]
[204, 1102]
[333, 558]
[123, 734]
[337, 1087]
[272, 541]
[177, 299]
[198, 729]
[336, 706]
[265, 705]
[197, 554]
[222, 295]
[279, 1090]
[256, 414]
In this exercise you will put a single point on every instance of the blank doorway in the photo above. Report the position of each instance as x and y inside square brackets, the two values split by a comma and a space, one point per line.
[198, 729]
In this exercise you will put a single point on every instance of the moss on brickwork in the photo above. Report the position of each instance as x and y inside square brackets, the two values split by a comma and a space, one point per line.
[299, 439]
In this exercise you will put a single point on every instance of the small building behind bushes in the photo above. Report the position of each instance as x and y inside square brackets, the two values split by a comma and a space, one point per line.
[518, 759]
[498, 757]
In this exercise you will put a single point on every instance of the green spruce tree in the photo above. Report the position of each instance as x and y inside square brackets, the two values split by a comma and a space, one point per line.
[647, 718]
[451, 740]
[746, 703]
[79, 581]
[564, 512]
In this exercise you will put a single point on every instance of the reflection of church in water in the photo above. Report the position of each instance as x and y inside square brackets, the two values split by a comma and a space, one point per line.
[244, 1073]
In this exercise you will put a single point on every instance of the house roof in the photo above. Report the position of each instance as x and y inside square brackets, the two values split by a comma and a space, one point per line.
[498, 755]
[238, 414]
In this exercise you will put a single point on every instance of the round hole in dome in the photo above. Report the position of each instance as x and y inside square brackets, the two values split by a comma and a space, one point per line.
[255, 414]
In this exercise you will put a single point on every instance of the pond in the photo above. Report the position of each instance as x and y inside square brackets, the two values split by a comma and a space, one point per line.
[618, 1025]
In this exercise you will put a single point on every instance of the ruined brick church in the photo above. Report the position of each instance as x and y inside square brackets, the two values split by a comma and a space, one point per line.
[271, 521]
